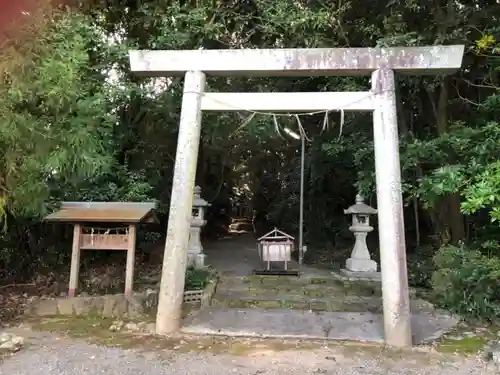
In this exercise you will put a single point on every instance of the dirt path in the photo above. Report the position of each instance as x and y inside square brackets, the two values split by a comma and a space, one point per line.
[50, 353]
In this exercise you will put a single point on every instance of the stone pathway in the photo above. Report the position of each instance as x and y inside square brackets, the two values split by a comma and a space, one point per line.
[315, 305]
[233, 255]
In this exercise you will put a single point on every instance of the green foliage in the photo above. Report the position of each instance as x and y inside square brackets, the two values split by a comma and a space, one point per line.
[467, 282]
[484, 192]
[486, 42]
[54, 114]
[70, 133]
[197, 279]
[421, 267]
[117, 184]
[58, 139]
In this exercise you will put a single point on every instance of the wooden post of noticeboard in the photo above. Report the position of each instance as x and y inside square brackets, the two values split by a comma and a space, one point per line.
[129, 271]
[75, 261]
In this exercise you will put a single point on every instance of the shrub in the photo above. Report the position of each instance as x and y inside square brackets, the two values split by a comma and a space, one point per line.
[467, 282]
[197, 279]
[421, 267]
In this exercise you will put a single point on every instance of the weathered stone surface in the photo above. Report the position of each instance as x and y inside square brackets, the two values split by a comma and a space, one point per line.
[365, 275]
[492, 352]
[306, 62]
[18, 340]
[151, 300]
[133, 327]
[8, 345]
[45, 307]
[10, 342]
[118, 305]
[65, 306]
[116, 326]
[108, 307]
[121, 306]
[284, 323]
[4, 337]
[135, 306]
[82, 305]
[97, 304]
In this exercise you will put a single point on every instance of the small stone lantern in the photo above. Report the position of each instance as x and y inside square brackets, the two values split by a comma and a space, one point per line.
[196, 258]
[360, 261]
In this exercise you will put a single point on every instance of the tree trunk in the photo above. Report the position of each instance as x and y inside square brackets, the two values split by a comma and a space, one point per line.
[451, 227]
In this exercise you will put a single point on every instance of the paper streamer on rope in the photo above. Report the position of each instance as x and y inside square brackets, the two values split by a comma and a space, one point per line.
[243, 124]
[326, 125]
[301, 128]
[341, 123]
[277, 127]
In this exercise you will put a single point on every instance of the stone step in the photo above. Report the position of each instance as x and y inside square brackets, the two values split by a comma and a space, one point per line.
[343, 303]
[302, 288]
[311, 286]
[311, 291]
[301, 280]
[294, 324]
[290, 301]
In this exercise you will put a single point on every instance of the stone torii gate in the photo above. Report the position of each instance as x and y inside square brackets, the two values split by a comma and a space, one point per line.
[380, 63]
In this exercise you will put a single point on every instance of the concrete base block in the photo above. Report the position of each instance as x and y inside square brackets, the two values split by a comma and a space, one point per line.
[375, 276]
[361, 265]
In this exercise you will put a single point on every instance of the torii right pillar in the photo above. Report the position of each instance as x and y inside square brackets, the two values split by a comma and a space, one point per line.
[396, 304]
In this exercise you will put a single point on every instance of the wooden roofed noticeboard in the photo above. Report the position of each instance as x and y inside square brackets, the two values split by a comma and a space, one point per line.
[105, 212]
[86, 236]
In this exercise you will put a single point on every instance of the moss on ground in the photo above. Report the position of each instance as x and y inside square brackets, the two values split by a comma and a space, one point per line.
[466, 345]
[96, 330]
[468, 339]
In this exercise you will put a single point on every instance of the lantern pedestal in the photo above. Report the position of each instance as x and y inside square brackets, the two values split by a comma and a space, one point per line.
[361, 265]
[360, 257]
[196, 258]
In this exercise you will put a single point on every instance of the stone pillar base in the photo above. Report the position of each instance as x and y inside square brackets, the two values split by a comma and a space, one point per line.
[361, 265]
[352, 275]
[196, 260]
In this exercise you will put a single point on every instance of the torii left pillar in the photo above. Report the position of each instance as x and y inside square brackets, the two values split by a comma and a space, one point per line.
[168, 318]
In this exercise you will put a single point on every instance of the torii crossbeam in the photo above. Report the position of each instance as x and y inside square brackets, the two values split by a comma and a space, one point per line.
[380, 63]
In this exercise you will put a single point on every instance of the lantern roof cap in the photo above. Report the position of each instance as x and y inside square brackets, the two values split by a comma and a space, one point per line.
[360, 207]
[198, 201]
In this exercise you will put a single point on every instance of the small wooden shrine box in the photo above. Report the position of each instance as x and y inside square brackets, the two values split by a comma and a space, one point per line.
[86, 236]
[276, 246]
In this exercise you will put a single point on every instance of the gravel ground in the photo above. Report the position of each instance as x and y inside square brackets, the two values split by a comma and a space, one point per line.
[49, 354]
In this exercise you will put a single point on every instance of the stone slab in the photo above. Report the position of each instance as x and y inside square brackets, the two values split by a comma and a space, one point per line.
[375, 276]
[110, 305]
[296, 324]
[346, 303]
[297, 61]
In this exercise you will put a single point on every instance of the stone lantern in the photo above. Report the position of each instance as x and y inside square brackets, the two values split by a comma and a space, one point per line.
[360, 262]
[196, 258]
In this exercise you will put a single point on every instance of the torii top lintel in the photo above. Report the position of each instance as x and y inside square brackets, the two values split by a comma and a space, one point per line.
[298, 61]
